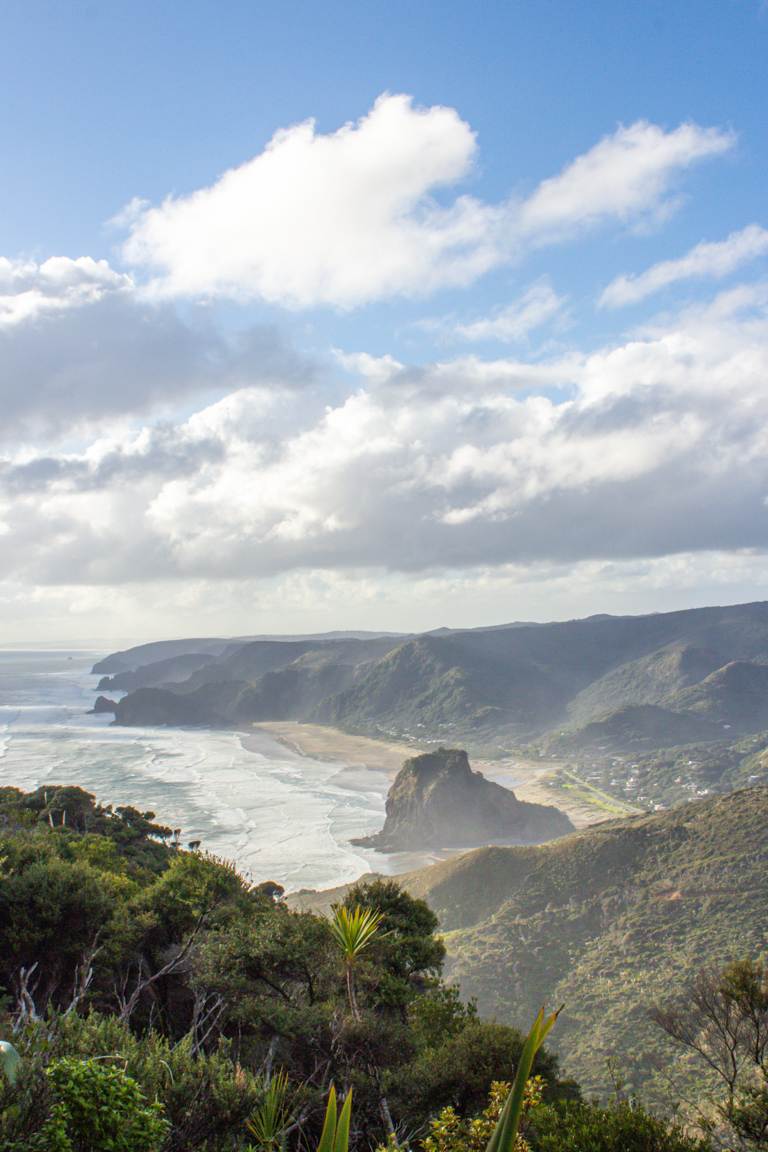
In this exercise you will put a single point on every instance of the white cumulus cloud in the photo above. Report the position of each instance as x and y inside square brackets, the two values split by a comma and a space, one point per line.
[537, 305]
[625, 175]
[370, 211]
[707, 261]
[340, 218]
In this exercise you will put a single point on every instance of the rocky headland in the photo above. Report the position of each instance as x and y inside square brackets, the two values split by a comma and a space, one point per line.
[438, 801]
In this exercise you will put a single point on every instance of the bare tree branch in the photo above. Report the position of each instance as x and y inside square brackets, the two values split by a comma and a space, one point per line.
[128, 1006]
[26, 1009]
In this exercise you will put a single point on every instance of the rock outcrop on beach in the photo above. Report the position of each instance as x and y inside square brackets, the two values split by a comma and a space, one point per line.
[104, 704]
[438, 801]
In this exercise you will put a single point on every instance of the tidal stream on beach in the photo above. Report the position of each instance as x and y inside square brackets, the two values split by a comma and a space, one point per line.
[277, 814]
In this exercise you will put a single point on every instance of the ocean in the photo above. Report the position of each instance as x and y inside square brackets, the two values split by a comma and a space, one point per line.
[278, 815]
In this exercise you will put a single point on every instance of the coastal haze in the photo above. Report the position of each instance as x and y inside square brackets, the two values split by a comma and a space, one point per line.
[278, 815]
[278, 753]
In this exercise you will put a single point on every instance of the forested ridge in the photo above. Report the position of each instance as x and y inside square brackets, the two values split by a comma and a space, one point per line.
[158, 1001]
[649, 709]
[632, 683]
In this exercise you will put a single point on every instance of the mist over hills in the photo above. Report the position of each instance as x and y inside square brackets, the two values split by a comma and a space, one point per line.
[631, 682]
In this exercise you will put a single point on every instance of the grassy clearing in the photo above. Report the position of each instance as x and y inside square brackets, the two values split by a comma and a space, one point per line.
[567, 781]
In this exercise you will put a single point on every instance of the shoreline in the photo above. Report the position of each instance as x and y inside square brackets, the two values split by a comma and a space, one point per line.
[361, 766]
[321, 742]
[527, 778]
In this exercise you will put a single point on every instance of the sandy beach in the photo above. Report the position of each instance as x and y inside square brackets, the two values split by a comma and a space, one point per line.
[361, 766]
[325, 743]
[244, 795]
[528, 778]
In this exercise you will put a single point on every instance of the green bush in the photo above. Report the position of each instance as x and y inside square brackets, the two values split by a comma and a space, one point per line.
[460, 1071]
[205, 1097]
[98, 1107]
[576, 1126]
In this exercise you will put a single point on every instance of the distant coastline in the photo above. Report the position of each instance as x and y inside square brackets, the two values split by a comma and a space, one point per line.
[527, 778]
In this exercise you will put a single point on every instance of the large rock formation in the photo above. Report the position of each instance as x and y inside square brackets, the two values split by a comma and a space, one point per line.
[103, 704]
[438, 801]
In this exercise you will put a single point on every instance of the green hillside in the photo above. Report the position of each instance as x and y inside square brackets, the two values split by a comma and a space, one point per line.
[603, 694]
[637, 727]
[606, 921]
[513, 682]
[650, 679]
[736, 694]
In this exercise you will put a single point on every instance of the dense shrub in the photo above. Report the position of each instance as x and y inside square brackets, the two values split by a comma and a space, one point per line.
[98, 1107]
[205, 1097]
[576, 1126]
[151, 991]
[459, 1072]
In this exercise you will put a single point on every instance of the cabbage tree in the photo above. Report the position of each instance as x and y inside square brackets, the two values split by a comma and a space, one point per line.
[354, 929]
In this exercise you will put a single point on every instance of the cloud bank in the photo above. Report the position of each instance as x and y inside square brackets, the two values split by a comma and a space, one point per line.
[651, 446]
[79, 345]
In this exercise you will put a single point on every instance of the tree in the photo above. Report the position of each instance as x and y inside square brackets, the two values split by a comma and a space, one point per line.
[408, 944]
[275, 975]
[459, 1072]
[353, 930]
[65, 806]
[722, 1020]
[438, 1015]
[52, 915]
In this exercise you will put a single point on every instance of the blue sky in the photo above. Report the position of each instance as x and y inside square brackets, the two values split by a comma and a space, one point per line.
[109, 101]
[377, 377]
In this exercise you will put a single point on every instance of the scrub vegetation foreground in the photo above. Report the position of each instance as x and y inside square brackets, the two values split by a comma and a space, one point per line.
[154, 1001]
